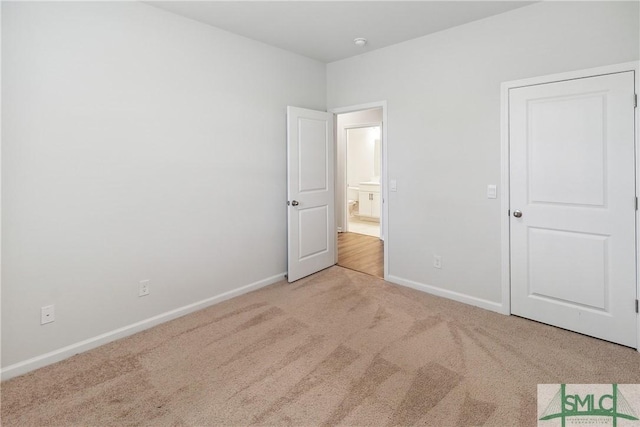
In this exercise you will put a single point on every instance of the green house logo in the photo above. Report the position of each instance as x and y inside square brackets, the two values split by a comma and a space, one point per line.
[587, 407]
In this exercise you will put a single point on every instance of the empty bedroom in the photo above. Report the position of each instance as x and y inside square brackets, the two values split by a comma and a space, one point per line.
[176, 196]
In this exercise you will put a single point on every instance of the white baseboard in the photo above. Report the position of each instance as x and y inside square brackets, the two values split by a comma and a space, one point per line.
[456, 296]
[88, 344]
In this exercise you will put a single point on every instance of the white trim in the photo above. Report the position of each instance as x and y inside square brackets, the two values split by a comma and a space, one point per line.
[359, 107]
[505, 240]
[88, 344]
[504, 142]
[384, 234]
[456, 296]
[636, 69]
[0, 185]
[571, 75]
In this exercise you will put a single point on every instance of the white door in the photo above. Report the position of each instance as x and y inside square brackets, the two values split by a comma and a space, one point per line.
[310, 189]
[572, 202]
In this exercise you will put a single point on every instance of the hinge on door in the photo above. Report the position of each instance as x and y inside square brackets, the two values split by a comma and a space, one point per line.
[636, 202]
[635, 100]
[509, 212]
[636, 306]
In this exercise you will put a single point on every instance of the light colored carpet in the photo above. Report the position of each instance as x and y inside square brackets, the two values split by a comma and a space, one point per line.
[339, 347]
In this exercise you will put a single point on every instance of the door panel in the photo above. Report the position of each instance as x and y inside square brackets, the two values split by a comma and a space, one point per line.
[313, 150]
[313, 237]
[567, 266]
[554, 138]
[310, 174]
[364, 203]
[375, 205]
[572, 175]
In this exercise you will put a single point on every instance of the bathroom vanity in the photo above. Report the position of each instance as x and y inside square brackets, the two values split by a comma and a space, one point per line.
[369, 200]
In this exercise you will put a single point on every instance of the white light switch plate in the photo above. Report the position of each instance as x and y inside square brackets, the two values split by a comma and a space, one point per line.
[393, 185]
[492, 192]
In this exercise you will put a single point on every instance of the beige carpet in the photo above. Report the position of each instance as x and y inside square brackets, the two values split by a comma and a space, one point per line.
[339, 347]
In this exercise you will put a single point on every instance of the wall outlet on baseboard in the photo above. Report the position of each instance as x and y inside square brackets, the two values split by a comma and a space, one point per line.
[143, 288]
[47, 314]
[437, 261]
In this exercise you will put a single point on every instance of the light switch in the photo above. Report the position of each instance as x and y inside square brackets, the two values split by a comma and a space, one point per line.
[393, 185]
[492, 192]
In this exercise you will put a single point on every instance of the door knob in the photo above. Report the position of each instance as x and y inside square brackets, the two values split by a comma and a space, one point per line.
[295, 203]
[517, 213]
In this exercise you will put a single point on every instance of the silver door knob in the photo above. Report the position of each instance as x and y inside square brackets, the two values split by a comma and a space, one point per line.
[517, 213]
[295, 203]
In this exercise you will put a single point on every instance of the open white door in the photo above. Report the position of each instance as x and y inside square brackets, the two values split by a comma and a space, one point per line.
[310, 191]
[573, 255]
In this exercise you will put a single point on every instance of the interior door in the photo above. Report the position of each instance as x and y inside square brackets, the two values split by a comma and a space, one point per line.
[572, 204]
[311, 193]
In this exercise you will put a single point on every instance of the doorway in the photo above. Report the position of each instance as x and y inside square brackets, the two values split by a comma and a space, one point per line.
[363, 180]
[317, 196]
[572, 202]
[360, 189]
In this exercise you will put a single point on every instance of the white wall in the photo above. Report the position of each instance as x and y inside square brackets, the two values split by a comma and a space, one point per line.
[343, 122]
[443, 97]
[136, 145]
[361, 145]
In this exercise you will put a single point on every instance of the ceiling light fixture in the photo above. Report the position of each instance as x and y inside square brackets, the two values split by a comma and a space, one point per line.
[360, 42]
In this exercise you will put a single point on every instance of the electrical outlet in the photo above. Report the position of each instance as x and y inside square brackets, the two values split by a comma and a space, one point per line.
[47, 314]
[143, 288]
[437, 261]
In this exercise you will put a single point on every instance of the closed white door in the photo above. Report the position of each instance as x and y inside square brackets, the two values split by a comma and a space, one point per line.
[310, 176]
[572, 204]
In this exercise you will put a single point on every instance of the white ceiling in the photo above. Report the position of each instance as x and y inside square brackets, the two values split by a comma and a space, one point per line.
[324, 30]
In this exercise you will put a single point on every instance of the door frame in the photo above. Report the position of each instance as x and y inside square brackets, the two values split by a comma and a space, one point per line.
[345, 215]
[505, 166]
[384, 210]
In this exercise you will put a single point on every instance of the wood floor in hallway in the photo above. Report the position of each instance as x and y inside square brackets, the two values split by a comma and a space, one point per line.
[361, 253]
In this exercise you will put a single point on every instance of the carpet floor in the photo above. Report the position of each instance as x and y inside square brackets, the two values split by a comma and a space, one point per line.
[336, 348]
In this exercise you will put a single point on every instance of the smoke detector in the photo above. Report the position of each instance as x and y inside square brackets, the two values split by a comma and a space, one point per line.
[360, 42]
